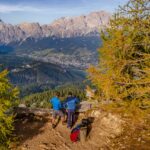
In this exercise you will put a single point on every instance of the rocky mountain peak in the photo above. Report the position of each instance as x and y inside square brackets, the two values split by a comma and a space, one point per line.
[80, 25]
[31, 29]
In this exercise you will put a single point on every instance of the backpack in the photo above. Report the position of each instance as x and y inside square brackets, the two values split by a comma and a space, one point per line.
[75, 134]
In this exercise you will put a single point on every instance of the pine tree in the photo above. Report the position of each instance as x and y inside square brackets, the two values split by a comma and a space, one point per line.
[123, 73]
[8, 98]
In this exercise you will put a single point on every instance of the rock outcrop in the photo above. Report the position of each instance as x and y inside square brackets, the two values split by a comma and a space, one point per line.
[10, 33]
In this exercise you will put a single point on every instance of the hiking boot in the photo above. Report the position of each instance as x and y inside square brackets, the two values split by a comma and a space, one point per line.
[53, 126]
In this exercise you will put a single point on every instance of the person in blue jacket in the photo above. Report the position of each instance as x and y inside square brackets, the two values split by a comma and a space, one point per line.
[70, 105]
[57, 109]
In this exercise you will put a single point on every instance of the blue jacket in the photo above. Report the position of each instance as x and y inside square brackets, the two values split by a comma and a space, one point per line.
[70, 103]
[55, 101]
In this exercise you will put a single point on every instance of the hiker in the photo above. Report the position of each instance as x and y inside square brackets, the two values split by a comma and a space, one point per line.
[56, 104]
[70, 105]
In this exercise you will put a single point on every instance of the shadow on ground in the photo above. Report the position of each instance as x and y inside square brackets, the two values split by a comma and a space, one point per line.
[27, 127]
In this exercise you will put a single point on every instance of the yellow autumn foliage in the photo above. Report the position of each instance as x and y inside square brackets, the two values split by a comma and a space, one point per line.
[123, 73]
[8, 99]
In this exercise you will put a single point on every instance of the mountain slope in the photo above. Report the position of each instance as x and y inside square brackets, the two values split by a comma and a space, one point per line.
[32, 76]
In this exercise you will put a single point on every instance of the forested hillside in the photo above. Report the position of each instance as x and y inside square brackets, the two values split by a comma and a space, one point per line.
[35, 76]
[41, 100]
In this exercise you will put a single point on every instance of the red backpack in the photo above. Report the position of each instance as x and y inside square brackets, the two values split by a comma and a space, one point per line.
[75, 134]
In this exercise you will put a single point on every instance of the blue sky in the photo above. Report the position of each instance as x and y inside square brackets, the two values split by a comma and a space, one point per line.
[45, 11]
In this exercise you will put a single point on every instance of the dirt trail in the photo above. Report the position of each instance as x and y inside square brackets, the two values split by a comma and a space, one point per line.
[39, 135]
[107, 134]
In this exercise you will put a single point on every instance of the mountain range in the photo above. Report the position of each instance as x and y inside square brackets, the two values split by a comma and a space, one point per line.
[65, 27]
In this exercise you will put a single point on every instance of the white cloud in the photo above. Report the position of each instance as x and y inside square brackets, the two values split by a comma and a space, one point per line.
[17, 8]
[44, 10]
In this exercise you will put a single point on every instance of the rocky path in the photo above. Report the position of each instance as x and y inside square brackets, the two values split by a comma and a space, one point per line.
[48, 138]
[38, 134]
[43, 137]
[107, 133]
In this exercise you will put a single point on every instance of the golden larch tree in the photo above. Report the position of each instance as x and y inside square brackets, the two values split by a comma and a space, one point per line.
[123, 72]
